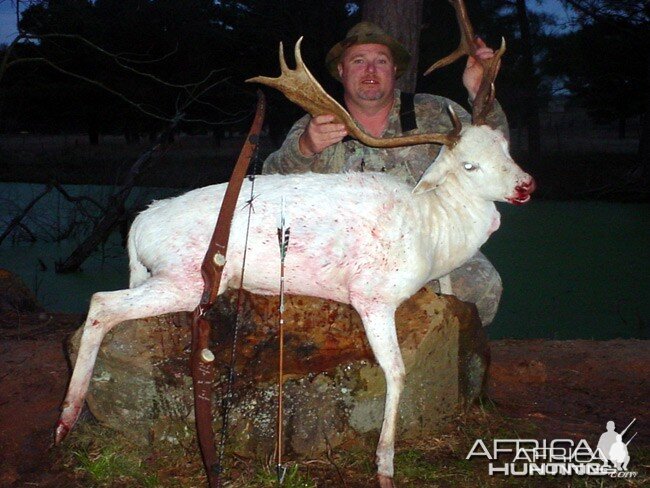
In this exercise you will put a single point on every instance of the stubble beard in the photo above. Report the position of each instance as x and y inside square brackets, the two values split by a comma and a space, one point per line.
[370, 94]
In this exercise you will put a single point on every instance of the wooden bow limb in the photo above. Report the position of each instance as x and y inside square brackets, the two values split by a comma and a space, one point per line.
[202, 358]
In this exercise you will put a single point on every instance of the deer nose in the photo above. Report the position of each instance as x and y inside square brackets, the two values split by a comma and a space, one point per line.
[527, 187]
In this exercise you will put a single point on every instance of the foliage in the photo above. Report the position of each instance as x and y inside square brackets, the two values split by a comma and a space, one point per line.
[127, 67]
[130, 66]
[615, 68]
[596, 74]
[108, 465]
[102, 459]
[258, 27]
[123, 66]
[634, 12]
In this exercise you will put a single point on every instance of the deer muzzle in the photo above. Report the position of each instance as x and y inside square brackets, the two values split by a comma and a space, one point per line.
[523, 191]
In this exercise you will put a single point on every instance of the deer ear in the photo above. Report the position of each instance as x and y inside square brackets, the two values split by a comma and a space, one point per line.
[436, 173]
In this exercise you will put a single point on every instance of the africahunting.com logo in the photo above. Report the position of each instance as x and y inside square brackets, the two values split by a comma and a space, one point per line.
[529, 457]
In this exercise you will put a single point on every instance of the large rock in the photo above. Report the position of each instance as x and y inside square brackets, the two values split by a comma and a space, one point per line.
[478, 282]
[15, 296]
[334, 391]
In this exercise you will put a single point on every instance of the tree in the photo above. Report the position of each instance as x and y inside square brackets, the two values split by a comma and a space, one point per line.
[401, 19]
[69, 45]
[610, 67]
[531, 80]
[255, 28]
[523, 90]
[175, 59]
[76, 48]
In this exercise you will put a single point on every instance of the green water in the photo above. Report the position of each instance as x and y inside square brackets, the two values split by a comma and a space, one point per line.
[105, 270]
[573, 270]
[570, 269]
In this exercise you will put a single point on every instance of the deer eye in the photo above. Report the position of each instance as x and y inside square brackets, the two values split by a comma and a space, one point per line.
[470, 166]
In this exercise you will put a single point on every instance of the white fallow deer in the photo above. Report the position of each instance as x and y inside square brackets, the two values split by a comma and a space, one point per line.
[366, 239]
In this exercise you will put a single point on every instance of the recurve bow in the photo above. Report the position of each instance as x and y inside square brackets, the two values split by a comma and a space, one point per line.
[202, 358]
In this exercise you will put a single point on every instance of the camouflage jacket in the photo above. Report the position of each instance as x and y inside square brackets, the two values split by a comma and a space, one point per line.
[407, 163]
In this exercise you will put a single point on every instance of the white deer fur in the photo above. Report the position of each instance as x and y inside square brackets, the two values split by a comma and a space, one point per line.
[366, 239]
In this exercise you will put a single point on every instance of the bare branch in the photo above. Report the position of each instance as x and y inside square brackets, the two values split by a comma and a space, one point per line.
[116, 209]
[123, 97]
[16, 221]
[72, 199]
[121, 61]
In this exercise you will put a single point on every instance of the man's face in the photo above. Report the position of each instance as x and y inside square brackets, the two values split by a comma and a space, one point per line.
[368, 73]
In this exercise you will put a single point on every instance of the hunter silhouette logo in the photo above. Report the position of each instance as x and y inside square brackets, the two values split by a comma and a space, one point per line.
[612, 449]
[564, 457]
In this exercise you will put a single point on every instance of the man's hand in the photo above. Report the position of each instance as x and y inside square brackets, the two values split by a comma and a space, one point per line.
[473, 69]
[321, 132]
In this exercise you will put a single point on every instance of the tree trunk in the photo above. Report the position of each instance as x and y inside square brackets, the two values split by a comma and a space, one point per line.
[530, 92]
[401, 19]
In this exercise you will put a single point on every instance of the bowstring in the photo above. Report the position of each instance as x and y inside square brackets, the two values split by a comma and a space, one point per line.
[226, 402]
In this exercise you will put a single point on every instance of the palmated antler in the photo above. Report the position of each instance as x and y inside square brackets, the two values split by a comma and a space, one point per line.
[485, 97]
[300, 86]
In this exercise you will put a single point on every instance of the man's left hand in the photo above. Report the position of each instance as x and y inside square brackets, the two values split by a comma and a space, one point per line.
[474, 70]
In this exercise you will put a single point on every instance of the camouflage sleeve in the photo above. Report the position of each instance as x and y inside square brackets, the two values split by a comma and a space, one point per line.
[289, 159]
[432, 114]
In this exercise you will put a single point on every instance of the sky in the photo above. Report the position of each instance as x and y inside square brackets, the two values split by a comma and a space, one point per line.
[7, 21]
[8, 16]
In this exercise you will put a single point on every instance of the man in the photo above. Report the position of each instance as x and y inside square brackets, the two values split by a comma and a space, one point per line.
[367, 62]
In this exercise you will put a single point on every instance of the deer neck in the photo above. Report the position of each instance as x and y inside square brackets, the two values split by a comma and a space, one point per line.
[458, 223]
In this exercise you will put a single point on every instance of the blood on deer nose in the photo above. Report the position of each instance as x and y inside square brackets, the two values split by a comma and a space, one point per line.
[527, 187]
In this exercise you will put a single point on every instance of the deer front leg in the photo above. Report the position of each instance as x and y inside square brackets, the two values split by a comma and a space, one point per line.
[379, 324]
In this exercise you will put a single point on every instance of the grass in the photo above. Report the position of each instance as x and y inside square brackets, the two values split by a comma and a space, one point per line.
[293, 477]
[109, 465]
[103, 458]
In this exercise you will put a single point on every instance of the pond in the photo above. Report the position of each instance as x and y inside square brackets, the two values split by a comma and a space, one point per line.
[570, 270]
[573, 270]
[51, 217]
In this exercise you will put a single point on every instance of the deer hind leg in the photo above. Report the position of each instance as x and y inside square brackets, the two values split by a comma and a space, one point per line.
[379, 324]
[107, 309]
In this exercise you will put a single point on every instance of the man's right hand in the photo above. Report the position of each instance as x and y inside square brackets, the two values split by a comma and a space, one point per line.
[321, 132]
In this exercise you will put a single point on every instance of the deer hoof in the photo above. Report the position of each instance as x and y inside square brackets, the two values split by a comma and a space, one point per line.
[67, 421]
[61, 432]
[385, 481]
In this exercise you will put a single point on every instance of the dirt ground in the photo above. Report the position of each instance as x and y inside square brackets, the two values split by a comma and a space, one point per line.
[565, 388]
